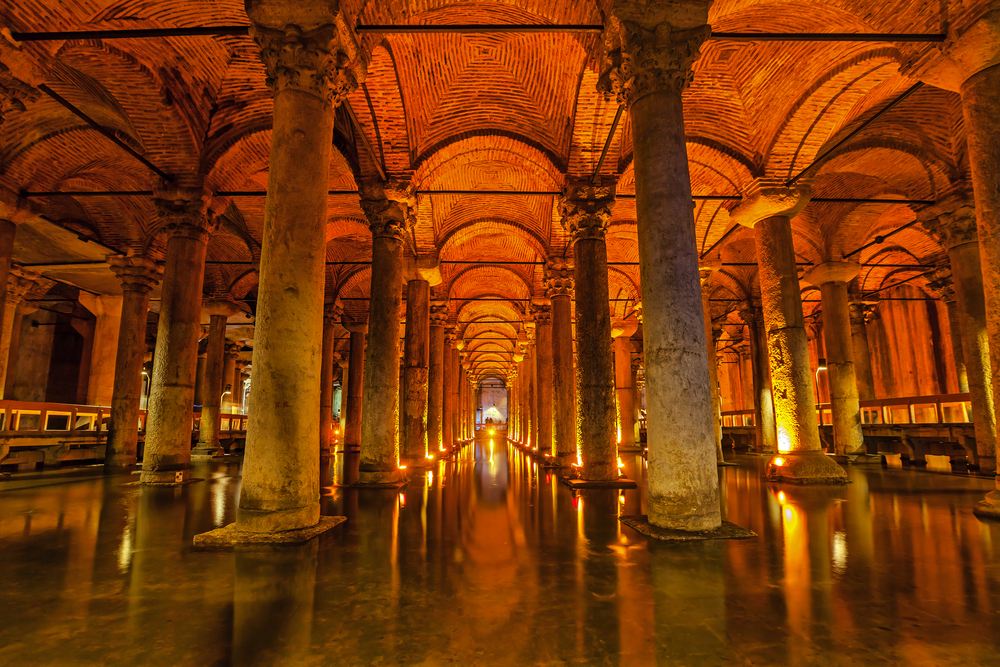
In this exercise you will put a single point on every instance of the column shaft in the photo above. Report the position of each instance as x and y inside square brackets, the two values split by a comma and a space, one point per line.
[713, 375]
[972, 318]
[327, 365]
[595, 375]
[683, 482]
[862, 353]
[848, 439]
[563, 377]
[416, 352]
[211, 417]
[543, 332]
[623, 390]
[447, 395]
[355, 391]
[961, 374]
[8, 230]
[435, 387]
[167, 452]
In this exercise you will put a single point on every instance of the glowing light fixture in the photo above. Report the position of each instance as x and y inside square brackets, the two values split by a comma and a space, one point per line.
[778, 461]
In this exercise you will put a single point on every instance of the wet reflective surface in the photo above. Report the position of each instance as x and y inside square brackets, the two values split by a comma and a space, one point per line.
[488, 560]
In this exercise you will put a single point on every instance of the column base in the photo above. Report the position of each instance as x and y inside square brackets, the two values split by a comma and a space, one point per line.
[381, 479]
[165, 477]
[727, 531]
[864, 459]
[620, 483]
[207, 450]
[990, 507]
[986, 464]
[805, 468]
[421, 462]
[231, 536]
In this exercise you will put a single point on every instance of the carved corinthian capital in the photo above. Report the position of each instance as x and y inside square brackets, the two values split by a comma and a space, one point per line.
[639, 61]
[586, 209]
[136, 273]
[952, 221]
[184, 212]
[323, 62]
[558, 279]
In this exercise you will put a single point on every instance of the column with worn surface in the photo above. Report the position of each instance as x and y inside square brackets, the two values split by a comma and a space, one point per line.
[229, 381]
[953, 223]
[355, 383]
[967, 64]
[621, 332]
[416, 359]
[559, 288]
[763, 398]
[543, 334]
[713, 368]
[862, 352]
[19, 281]
[585, 211]
[138, 276]
[657, 50]
[310, 55]
[832, 279]
[767, 208]
[332, 313]
[447, 394]
[107, 308]
[167, 451]
[387, 221]
[435, 377]
[218, 313]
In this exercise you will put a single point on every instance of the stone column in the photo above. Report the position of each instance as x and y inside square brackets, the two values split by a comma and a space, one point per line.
[636, 401]
[199, 377]
[456, 379]
[648, 71]
[19, 281]
[354, 409]
[218, 313]
[416, 360]
[621, 332]
[543, 336]
[860, 313]
[767, 208]
[387, 220]
[713, 367]
[309, 54]
[967, 64]
[447, 393]
[559, 288]
[169, 421]
[585, 212]
[953, 223]
[107, 308]
[8, 230]
[228, 374]
[238, 385]
[332, 313]
[746, 374]
[832, 279]
[138, 276]
[763, 398]
[435, 377]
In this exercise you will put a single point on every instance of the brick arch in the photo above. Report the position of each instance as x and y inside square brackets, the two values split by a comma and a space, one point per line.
[474, 281]
[822, 109]
[919, 171]
[469, 310]
[733, 281]
[530, 168]
[244, 281]
[503, 239]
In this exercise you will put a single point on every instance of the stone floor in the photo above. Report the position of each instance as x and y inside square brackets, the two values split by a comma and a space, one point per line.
[489, 561]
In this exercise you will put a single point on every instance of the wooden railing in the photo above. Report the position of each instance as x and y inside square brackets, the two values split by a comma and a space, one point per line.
[39, 419]
[937, 409]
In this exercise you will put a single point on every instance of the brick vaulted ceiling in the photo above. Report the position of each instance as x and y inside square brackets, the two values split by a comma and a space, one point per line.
[491, 112]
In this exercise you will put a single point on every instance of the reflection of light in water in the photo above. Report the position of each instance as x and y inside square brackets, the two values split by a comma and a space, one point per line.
[491, 452]
[840, 552]
[125, 550]
[219, 501]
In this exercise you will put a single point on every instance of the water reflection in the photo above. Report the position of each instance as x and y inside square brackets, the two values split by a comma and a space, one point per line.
[489, 559]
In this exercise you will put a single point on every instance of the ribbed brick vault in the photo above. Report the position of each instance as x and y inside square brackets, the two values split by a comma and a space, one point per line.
[516, 112]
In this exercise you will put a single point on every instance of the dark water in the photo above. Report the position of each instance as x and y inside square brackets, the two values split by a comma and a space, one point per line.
[489, 560]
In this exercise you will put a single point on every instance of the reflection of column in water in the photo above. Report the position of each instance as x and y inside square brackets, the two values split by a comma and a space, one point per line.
[689, 602]
[599, 601]
[273, 605]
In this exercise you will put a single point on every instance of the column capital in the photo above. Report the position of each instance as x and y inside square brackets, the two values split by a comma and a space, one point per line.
[624, 328]
[832, 272]
[184, 212]
[651, 47]
[386, 218]
[136, 273]
[219, 307]
[333, 313]
[308, 47]
[558, 278]
[970, 47]
[450, 332]
[941, 285]
[542, 312]
[19, 284]
[586, 209]
[354, 325]
[770, 198]
[439, 313]
[18, 79]
[951, 221]
[751, 312]
[231, 349]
